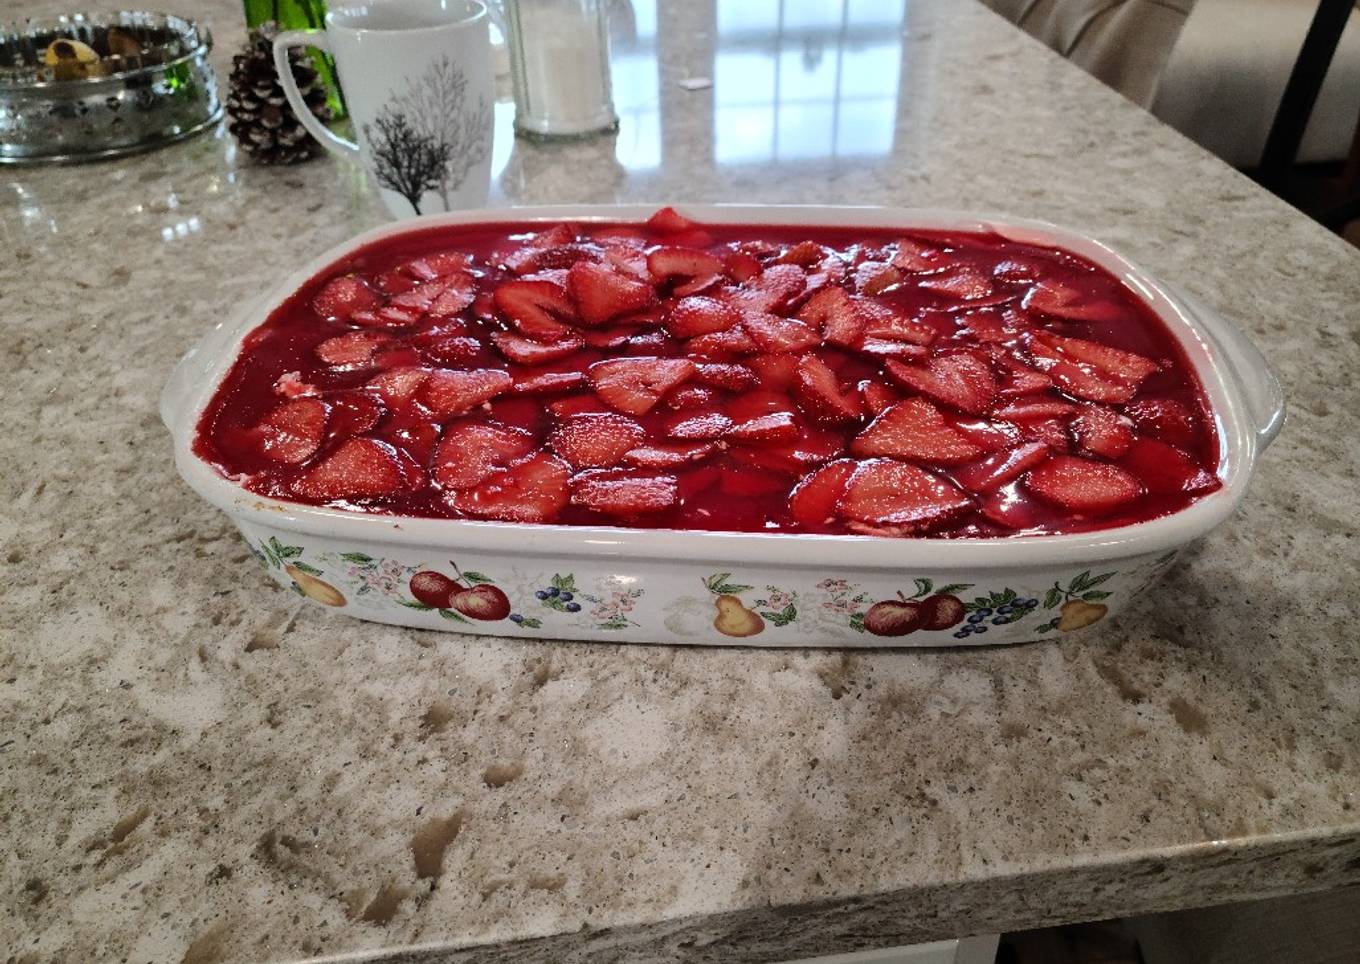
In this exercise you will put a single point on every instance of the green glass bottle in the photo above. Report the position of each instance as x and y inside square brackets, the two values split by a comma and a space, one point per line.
[301, 15]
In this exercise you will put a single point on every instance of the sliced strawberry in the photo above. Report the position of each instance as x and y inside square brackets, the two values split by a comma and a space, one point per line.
[417, 439]
[343, 296]
[745, 485]
[776, 372]
[601, 293]
[1018, 379]
[884, 323]
[696, 269]
[813, 500]
[448, 392]
[961, 380]
[401, 356]
[449, 351]
[813, 446]
[1011, 507]
[915, 430]
[527, 352]
[614, 336]
[1091, 488]
[553, 257]
[470, 451]
[292, 432]
[832, 311]
[351, 350]
[692, 238]
[696, 481]
[395, 281]
[803, 253]
[457, 292]
[353, 413]
[901, 350]
[1102, 431]
[741, 266]
[417, 300]
[876, 277]
[966, 284]
[398, 386]
[734, 342]
[657, 455]
[1123, 366]
[1168, 419]
[916, 256]
[1051, 431]
[440, 264]
[546, 383]
[1035, 409]
[1020, 270]
[627, 258]
[698, 426]
[389, 316]
[1001, 467]
[575, 404]
[1165, 469]
[983, 325]
[775, 427]
[733, 378]
[623, 493]
[635, 385]
[771, 290]
[886, 492]
[669, 221]
[534, 490]
[1078, 379]
[700, 315]
[359, 468]
[775, 334]
[1063, 301]
[595, 439]
[990, 436]
[689, 397]
[820, 394]
[760, 402]
[555, 276]
[877, 396]
[535, 308]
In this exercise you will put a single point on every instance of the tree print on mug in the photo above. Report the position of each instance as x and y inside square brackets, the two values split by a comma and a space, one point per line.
[427, 137]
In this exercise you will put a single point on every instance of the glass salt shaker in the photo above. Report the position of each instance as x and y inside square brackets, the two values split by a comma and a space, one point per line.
[559, 61]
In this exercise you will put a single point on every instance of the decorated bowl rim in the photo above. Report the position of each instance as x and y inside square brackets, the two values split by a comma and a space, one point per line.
[1199, 333]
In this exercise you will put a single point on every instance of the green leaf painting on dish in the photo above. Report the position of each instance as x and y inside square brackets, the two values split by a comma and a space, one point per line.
[719, 586]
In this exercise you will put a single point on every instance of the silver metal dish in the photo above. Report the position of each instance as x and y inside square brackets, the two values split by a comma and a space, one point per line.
[143, 81]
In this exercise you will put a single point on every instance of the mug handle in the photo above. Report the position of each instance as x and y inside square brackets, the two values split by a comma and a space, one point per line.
[328, 139]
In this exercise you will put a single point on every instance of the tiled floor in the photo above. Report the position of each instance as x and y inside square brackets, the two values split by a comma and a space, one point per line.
[1103, 942]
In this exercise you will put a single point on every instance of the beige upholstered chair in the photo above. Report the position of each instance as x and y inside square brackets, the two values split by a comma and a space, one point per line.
[1213, 69]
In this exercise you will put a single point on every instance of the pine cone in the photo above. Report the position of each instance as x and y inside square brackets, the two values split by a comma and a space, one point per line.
[262, 121]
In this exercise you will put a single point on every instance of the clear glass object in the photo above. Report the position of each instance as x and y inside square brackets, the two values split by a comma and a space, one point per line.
[301, 15]
[559, 61]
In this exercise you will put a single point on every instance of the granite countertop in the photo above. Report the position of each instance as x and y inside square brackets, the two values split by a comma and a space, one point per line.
[197, 767]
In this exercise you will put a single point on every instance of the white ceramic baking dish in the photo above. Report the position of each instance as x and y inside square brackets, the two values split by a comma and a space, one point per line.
[632, 585]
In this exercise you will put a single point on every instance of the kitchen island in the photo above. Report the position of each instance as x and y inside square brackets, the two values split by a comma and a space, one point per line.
[198, 766]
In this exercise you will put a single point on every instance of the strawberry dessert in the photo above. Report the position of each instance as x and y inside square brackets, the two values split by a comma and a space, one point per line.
[746, 378]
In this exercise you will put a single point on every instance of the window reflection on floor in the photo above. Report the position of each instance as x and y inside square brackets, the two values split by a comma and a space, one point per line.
[795, 79]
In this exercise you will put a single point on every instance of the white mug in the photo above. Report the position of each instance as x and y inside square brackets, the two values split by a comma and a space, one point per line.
[416, 76]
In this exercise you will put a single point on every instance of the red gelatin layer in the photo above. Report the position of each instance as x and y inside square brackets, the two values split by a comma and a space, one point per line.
[747, 378]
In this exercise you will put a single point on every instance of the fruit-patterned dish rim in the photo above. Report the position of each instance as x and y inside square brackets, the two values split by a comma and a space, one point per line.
[1243, 394]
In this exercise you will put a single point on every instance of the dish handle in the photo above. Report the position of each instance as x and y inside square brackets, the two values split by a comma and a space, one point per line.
[1260, 387]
